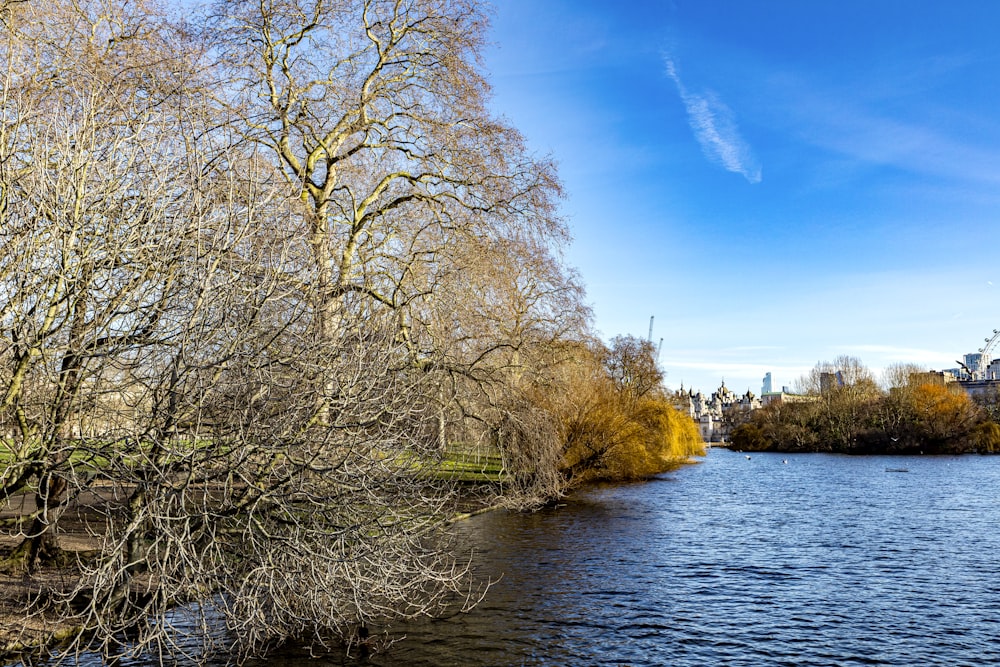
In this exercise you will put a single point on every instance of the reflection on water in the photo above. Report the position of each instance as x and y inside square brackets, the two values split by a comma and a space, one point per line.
[825, 560]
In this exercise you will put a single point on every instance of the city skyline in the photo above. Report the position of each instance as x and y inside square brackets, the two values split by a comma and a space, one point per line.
[778, 183]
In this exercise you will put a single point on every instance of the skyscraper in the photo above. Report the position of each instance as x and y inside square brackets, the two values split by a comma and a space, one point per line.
[767, 384]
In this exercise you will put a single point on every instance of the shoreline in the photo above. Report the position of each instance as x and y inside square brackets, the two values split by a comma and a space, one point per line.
[33, 633]
[23, 635]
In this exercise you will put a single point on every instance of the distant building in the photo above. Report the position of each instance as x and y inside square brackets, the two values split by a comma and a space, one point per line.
[766, 389]
[939, 378]
[785, 396]
[716, 413]
[980, 372]
[978, 387]
[976, 363]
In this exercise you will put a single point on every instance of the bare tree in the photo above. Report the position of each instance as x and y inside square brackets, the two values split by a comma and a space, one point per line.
[252, 294]
[632, 366]
[411, 195]
[900, 375]
[93, 232]
[843, 371]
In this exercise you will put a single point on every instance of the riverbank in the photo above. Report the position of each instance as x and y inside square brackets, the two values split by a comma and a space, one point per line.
[31, 619]
[27, 622]
[864, 419]
[22, 633]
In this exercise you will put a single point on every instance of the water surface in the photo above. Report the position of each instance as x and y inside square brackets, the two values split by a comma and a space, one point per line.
[772, 559]
[823, 560]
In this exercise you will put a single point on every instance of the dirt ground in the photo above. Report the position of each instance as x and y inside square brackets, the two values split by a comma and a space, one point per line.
[20, 627]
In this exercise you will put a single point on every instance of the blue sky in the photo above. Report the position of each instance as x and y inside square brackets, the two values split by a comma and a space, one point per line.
[777, 182]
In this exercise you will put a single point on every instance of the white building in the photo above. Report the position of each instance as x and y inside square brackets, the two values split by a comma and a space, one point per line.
[715, 414]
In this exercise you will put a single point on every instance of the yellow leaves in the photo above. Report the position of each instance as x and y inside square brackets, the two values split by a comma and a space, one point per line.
[611, 435]
[655, 438]
[940, 413]
[614, 419]
[933, 399]
[669, 434]
[987, 436]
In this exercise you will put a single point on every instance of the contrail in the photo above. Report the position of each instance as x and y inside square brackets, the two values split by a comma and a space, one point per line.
[714, 126]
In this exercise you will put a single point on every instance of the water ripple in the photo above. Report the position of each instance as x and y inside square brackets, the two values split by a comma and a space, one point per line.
[825, 561]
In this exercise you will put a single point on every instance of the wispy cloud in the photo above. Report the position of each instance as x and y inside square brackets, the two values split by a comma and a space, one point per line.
[714, 126]
[863, 123]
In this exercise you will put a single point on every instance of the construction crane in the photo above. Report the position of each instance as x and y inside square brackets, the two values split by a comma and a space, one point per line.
[649, 338]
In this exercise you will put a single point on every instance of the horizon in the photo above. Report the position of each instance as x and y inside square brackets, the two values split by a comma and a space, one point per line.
[778, 184]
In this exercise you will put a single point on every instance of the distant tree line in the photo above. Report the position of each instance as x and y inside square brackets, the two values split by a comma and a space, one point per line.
[847, 411]
[263, 269]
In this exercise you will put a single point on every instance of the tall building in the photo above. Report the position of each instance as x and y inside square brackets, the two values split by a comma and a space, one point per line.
[767, 384]
[976, 362]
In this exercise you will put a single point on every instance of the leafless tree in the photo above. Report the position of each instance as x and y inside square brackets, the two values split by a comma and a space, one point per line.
[412, 196]
[255, 282]
[95, 225]
[901, 375]
[844, 371]
[632, 366]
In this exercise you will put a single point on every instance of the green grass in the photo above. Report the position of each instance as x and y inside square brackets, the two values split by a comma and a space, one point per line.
[458, 463]
[463, 466]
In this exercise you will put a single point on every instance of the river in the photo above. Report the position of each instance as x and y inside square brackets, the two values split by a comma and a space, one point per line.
[823, 560]
[771, 559]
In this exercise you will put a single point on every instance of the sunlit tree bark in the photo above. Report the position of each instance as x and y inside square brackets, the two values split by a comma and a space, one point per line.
[411, 195]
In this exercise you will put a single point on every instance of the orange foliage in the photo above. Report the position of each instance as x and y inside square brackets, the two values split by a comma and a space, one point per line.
[941, 414]
[609, 432]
